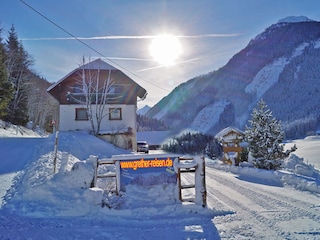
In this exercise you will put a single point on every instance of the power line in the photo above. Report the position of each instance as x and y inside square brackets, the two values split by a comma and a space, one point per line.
[87, 45]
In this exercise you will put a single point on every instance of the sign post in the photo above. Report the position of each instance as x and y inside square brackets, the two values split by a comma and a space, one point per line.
[145, 170]
[55, 152]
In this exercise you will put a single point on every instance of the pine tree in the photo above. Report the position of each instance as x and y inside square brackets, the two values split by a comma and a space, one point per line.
[5, 86]
[17, 63]
[264, 138]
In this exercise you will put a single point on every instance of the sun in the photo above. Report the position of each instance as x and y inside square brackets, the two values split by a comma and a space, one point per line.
[165, 49]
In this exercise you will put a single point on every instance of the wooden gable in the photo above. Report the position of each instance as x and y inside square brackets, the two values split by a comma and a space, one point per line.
[230, 134]
[123, 90]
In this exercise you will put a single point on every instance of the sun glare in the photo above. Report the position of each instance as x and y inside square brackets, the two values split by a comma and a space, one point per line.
[165, 49]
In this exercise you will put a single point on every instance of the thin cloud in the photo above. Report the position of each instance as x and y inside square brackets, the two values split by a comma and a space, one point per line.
[211, 35]
[161, 66]
[88, 38]
[130, 59]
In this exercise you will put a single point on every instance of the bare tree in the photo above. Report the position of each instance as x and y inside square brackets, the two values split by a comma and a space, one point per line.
[42, 108]
[95, 91]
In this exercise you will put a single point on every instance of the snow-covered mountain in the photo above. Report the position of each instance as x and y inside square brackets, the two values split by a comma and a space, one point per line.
[280, 65]
[144, 110]
[295, 19]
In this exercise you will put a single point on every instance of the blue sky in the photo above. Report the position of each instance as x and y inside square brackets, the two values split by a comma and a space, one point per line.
[211, 32]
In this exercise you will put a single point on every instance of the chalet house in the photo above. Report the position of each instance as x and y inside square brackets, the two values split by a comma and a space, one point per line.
[120, 93]
[232, 140]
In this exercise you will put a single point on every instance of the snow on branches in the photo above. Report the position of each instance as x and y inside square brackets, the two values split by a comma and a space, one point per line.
[264, 137]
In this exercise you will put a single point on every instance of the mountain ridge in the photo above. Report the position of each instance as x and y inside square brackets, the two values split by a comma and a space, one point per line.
[284, 56]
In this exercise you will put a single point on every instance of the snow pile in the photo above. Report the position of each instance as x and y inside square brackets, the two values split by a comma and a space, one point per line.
[294, 173]
[297, 165]
[11, 130]
[37, 192]
[304, 176]
[308, 148]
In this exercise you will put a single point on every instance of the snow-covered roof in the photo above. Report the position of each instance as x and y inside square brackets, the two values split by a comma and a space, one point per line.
[226, 130]
[98, 64]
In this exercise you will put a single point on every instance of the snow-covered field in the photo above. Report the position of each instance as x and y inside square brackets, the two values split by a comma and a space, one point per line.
[243, 202]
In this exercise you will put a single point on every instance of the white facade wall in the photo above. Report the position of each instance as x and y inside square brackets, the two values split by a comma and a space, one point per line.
[68, 122]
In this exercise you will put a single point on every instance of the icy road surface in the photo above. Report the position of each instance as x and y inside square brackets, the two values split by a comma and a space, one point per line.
[261, 211]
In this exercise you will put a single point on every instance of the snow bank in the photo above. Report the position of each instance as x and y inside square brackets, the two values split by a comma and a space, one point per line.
[11, 130]
[300, 175]
[297, 165]
[308, 148]
[37, 192]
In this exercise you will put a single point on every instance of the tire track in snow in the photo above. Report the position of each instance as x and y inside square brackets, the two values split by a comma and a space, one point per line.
[277, 207]
[270, 200]
[244, 222]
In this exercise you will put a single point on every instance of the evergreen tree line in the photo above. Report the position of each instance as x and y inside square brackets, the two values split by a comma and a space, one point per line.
[264, 136]
[150, 124]
[194, 143]
[299, 78]
[302, 127]
[23, 96]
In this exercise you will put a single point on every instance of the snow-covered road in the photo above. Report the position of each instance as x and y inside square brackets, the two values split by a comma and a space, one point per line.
[259, 211]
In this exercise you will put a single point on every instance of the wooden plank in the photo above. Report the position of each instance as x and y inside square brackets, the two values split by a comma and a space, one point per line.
[188, 186]
[106, 175]
[187, 200]
[106, 161]
[179, 184]
[187, 170]
[185, 158]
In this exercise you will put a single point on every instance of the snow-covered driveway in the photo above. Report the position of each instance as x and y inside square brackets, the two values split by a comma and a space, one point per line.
[261, 211]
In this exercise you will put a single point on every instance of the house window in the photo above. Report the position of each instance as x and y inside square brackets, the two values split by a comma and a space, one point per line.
[115, 114]
[81, 114]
